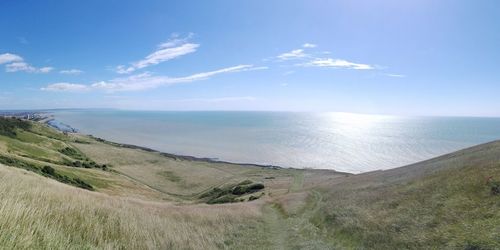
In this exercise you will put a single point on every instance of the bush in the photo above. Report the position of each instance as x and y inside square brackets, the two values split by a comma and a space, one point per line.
[223, 199]
[495, 188]
[245, 189]
[256, 187]
[48, 170]
[231, 193]
[86, 164]
[8, 126]
[251, 198]
[494, 185]
[82, 184]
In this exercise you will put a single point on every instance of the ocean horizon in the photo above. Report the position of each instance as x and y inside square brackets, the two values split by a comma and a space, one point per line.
[345, 142]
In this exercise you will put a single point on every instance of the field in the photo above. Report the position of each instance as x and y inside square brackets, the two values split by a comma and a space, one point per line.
[74, 191]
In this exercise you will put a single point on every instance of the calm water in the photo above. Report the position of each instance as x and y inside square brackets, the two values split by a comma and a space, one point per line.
[341, 141]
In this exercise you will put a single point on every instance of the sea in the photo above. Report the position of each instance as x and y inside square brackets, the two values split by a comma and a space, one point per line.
[345, 142]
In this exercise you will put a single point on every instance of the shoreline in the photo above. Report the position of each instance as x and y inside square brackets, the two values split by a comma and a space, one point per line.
[48, 119]
[189, 157]
[51, 122]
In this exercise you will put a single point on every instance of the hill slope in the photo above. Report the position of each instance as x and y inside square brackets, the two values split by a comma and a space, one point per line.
[444, 202]
[142, 199]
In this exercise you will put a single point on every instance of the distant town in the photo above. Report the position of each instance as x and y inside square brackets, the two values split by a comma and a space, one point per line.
[26, 115]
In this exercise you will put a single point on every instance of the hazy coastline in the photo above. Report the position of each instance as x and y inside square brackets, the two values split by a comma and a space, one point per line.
[180, 134]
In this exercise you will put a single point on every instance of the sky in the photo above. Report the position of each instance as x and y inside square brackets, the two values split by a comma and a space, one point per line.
[421, 57]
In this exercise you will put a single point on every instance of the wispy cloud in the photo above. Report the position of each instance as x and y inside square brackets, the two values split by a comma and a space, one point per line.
[146, 81]
[71, 72]
[309, 45]
[15, 63]
[336, 63]
[294, 54]
[396, 75]
[317, 59]
[22, 66]
[9, 58]
[173, 48]
[66, 87]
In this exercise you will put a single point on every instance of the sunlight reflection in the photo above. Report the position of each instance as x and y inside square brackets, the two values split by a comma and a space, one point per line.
[353, 126]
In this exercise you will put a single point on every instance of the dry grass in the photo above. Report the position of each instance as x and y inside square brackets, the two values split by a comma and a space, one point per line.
[40, 213]
[178, 178]
[442, 203]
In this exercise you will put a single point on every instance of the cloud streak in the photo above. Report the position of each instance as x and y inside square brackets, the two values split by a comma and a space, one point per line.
[66, 87]
[309, 45]
[22, 66]
[145, 81]
[71, 72]
[294, 54]
[396, 75]
[166, 51]
[316, 59]
[15, 63]
[336, 63]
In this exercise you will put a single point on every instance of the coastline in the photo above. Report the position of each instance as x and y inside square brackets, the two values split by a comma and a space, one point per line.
[189, 157]
[51, 122]
[69, 129]
[50, 119]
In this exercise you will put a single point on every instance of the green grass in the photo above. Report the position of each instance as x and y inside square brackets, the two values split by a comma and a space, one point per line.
[73, 153]
[45, 171]
[9, 126]
[170, 175]
[449, 207]
[231, 192]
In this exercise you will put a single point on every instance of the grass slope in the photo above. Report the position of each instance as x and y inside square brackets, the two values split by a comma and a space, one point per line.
[146, 200]
[443, 203]
[39, 213]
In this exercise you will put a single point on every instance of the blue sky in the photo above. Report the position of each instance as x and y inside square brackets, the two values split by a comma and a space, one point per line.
[384, 57]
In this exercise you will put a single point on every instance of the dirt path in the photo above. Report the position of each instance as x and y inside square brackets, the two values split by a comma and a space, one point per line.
[297, 183]
[293, 231]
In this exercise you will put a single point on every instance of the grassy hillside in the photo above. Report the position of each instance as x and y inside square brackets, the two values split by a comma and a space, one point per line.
[445, 202]
[147, 200]
[41, 213]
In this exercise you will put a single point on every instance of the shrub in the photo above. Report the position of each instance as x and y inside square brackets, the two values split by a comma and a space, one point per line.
[48, 170]
[223, 199]
[82, 184]
[494, 186]
[251, 198]
[8, 126]
[231, 193]
[245, 189]
[256, 187]
[73, 153]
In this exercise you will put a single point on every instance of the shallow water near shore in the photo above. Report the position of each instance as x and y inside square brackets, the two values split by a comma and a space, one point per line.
[340, 141]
